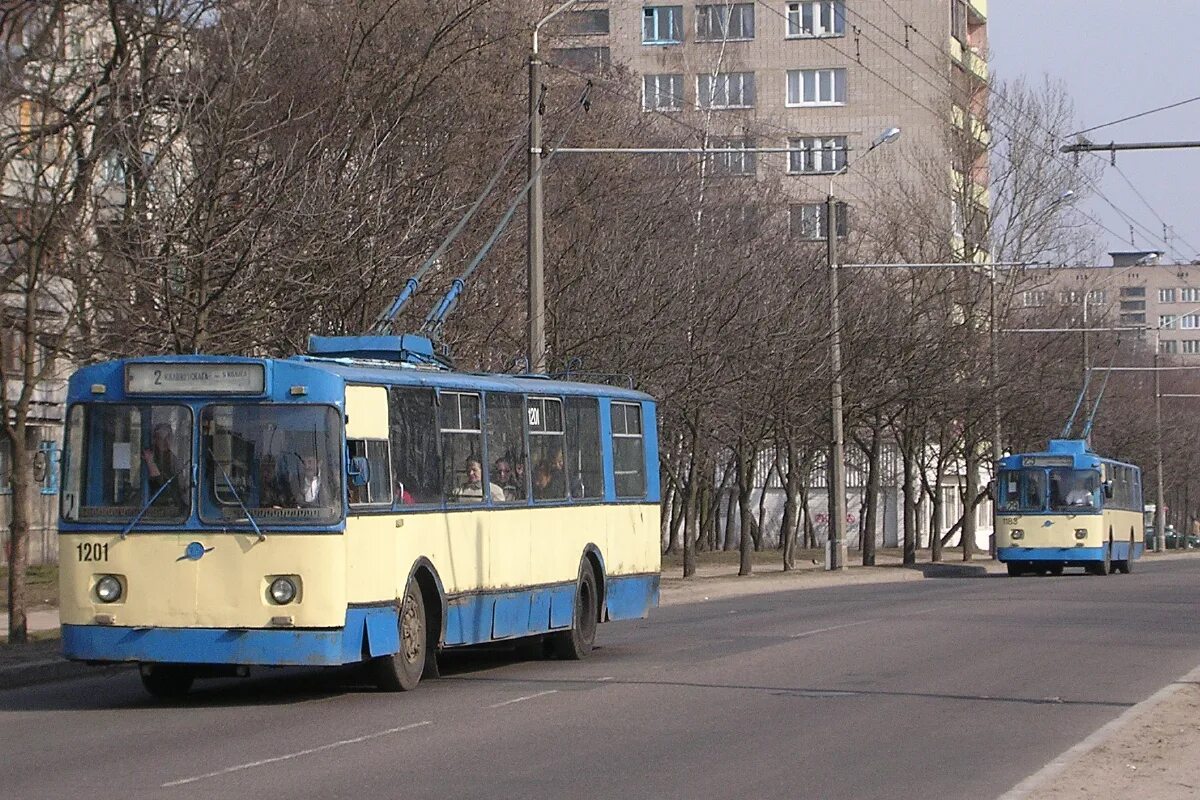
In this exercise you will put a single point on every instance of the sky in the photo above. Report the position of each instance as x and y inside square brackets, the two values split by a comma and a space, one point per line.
[1117, 58]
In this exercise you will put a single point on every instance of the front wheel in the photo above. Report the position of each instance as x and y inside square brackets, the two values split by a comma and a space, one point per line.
[575, 644]
[402, 672]
[167, 681]
[1015, 570]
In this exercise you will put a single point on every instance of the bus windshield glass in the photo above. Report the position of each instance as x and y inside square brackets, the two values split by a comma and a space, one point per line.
[122, 460]
[1074, 490]
[280, 462]
[1022, 490]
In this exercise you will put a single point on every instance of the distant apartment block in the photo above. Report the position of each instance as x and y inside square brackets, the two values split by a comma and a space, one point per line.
[821, 78]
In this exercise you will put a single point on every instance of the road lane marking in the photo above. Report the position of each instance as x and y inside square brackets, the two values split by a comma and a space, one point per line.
[523, 699]
[605, 678]
[297, 754]
[830, 628]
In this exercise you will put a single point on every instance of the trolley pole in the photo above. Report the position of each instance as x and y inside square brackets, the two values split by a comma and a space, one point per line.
[835, 557]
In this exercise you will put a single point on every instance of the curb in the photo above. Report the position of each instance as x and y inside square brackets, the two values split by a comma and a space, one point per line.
[1039, 780]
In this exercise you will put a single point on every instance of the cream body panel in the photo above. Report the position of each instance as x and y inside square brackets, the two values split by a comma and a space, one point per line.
[1058, 530]
[366, 412]
[226, 588]
[499, 549]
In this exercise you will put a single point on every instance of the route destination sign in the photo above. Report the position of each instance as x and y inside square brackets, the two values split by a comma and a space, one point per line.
[199, 378]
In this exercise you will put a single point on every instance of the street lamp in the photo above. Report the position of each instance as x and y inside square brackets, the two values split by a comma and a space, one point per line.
[537, 286]
[835, 548]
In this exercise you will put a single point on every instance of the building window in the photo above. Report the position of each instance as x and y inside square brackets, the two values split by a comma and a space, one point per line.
[816, 18]
[810, 154]
[1191, 346]
[1166, 295]
[726, 90]
[1097, 297]
[742, 163]
[582, 59]
[1133, 319]
[806, 221]
[587, 22]
[816, 87]
[662, 93]
[1166, 321]
[1189, 321]
[715, 23]
[1133, 291]
[958, 21]
[1169, 346]
[662, 25]
[1035, 298]
[1188, 295]
[1133, 305]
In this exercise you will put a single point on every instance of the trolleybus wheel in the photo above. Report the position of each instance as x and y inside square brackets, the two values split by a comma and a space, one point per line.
[166, 681]
[1126, 565]
[1056, 570]
[1103, 567]
[575, 644]
[1015, 570]
[401, 672]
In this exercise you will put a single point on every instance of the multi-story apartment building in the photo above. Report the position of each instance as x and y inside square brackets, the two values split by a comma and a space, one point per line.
[1135, 291]
[822, 78]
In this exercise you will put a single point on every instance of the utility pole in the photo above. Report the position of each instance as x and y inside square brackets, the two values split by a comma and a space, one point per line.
[997, 431]
[835, 548]
[537, 288]
[1160, 511]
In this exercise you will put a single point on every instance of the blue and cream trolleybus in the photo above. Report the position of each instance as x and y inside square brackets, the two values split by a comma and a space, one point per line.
[361, 503]
[1068, 507]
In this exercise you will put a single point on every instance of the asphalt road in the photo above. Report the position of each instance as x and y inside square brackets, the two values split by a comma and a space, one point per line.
[940, 688]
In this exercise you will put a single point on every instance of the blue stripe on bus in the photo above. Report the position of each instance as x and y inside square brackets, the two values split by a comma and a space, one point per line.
[1120, 552]
[369, 631]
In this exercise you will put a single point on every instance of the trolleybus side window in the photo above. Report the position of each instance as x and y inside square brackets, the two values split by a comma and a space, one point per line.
[1073, 489]
[585, 468]
[280, 462]
[628, 458]
[506, 446]
[123, 458]
[462, 450]
[416, 457]
[546, 442]
[370, 479]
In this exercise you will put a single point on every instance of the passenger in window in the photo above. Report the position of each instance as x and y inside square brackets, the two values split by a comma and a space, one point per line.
[1080, 495]
[471, 490]
[270, 493]
[547, 481]
[401, 496]
[502, 471]
[519, 478]
[163, 468]
[312, 489]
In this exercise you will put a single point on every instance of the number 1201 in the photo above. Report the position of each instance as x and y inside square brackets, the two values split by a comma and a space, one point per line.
[92, 551]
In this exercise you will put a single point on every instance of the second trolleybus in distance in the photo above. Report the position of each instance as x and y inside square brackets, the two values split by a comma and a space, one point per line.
[352, 505]
[1068, 507]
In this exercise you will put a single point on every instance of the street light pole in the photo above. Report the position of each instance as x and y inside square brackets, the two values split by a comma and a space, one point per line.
[536, 275]
[835, 557]
[835, 547]
[1160, 511]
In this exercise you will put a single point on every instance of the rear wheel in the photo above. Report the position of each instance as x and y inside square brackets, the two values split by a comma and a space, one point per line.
[402, 672]
[575, 644]
[1056, 570]
[167, 681]
[1126, 564]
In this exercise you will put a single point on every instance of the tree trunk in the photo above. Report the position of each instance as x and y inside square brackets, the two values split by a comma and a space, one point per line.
[689, 514]
[745, 468]
[971, 465]
[935, 515]
[787, 528]
[910, 501]
[18, 542]
[874, 484]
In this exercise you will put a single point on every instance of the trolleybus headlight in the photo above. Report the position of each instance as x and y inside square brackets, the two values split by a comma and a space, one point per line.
[1017, 533]
[283, 591]
[108, 589]
[1081, 533]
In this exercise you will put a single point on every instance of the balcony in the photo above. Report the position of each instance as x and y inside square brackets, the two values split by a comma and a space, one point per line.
[978, 10]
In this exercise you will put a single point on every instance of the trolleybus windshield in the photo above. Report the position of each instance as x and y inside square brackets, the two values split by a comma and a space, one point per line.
[282, 462]
[119, 458]
[1074, 489]
[1022, 490]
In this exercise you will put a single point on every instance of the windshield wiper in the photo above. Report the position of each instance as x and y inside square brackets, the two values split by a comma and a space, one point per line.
[262, 537]
[146, 507]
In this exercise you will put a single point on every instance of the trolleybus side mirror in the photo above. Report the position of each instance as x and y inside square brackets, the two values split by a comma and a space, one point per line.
[360, 471]
[1108, 492]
